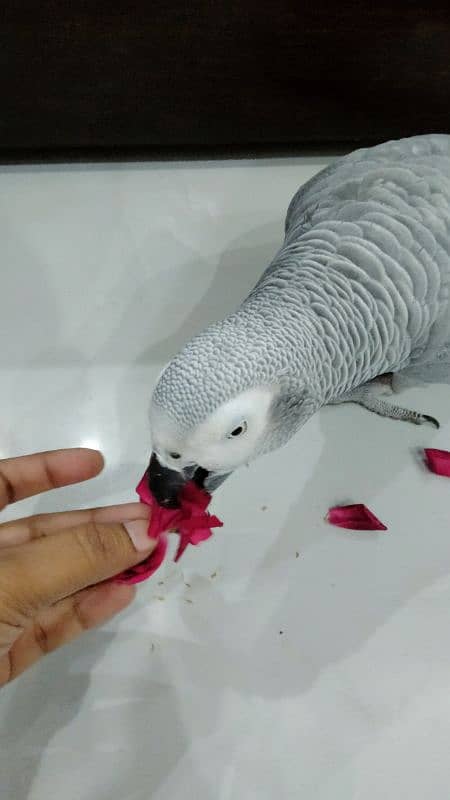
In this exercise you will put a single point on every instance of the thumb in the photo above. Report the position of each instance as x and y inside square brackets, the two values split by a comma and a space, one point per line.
[43, 571]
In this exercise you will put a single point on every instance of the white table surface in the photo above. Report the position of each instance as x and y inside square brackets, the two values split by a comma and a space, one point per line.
[319, 677]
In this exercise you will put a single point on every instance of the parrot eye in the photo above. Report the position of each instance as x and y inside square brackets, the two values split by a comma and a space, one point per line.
[238, 431]
[175, 455]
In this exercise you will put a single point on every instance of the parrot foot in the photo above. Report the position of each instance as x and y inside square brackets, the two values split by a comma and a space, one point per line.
[364, 396]
[391, 411]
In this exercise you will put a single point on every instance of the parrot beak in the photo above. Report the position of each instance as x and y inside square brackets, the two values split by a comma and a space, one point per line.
[166, 484]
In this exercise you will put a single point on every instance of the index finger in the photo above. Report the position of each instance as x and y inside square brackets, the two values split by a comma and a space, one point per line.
[29, 475]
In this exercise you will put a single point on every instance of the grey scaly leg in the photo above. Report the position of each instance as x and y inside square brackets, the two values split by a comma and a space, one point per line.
[367, 397]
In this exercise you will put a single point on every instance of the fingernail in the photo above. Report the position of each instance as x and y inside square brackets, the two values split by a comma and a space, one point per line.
[138, 532]
[125, 511]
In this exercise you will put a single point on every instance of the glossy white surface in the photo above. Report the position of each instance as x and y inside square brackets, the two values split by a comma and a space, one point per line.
[321, 676]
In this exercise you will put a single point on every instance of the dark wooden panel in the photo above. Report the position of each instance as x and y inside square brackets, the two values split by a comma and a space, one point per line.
[132, 78]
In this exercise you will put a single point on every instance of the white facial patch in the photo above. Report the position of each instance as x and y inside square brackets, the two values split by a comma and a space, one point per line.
[166, 439]
[212, 443]
[227, 439]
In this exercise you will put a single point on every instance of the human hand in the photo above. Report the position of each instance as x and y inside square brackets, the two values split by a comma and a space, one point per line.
[53, 567]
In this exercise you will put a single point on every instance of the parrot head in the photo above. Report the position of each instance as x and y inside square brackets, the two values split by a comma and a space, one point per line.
[231, 395]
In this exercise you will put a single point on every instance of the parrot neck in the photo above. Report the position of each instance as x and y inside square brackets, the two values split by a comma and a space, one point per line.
[292, 350]
[331, 330]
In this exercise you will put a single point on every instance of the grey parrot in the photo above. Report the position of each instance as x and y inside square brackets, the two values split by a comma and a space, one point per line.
[357, 297]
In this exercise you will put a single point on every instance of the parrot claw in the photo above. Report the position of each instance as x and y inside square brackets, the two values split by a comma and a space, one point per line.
[432, 420]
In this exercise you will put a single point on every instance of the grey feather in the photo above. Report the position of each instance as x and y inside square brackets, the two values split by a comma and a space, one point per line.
[359, 288]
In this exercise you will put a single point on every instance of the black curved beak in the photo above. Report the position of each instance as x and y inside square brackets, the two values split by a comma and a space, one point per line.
[166, 484]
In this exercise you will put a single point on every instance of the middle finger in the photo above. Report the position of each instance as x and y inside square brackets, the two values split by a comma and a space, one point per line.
[23, 530]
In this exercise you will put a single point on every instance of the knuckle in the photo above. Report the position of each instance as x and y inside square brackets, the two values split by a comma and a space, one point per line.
[7, 491]
[41, 637]
[7, 668]
[15, 606]
[80, 617]
[35, 526]
[98, 542]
